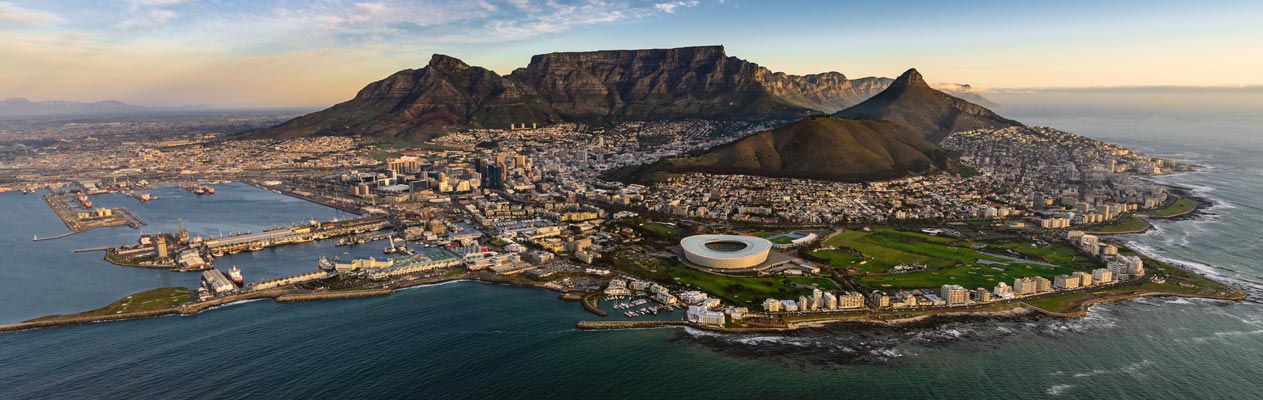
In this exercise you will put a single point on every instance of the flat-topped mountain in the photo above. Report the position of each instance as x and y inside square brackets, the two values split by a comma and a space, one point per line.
[910, 102]
[823, 148]
[594, 87]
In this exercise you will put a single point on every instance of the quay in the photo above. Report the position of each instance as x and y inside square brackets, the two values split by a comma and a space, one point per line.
[303, 195]
[301, 234]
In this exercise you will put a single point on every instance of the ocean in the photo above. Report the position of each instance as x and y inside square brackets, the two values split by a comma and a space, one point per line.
[476, 340]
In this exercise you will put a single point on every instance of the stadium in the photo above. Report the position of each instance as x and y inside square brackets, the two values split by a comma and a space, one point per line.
[725, 252]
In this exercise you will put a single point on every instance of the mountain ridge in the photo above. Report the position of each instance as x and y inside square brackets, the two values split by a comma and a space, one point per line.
[598, 87]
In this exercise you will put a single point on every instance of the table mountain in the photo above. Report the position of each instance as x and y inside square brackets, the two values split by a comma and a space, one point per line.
[910, 102]
[594, 87]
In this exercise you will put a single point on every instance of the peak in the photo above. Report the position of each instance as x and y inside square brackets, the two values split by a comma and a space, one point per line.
[910, 78]
[447, 62]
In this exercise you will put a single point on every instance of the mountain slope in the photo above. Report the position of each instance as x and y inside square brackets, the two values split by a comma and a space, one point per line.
[412, 104]
[595, 87]
[814, 148]
[910, 102]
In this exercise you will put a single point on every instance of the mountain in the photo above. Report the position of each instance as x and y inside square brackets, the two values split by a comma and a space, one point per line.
[445, 94]
[18, 107]
[595, 87]
[823, 148]
[910, 102]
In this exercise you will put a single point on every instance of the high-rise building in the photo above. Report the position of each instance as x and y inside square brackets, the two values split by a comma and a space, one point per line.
[954, 294]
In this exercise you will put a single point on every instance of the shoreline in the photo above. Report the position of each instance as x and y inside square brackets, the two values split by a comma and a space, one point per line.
[886, 318]
[881, 317]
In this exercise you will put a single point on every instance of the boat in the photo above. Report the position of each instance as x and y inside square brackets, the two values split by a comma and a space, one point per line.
[209, 190]
[235, 275]
[199, 191]
[327, 264]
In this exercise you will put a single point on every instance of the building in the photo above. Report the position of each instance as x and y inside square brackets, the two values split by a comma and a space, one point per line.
[830, 301]
[851, 300]
[1131, 266]
[1024, 286]
[725, 251]
[1102, 276]
[879, 299]
[1042, 284]
[954, 294]
[215, 282]
[1002, 289]
[700, 315]
[772, 305]
[789, 306]
[1066, 282]
[982, 295]
[1085, 278]
[617, 287]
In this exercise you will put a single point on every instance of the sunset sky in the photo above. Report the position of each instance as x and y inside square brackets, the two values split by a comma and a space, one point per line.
[279, 53]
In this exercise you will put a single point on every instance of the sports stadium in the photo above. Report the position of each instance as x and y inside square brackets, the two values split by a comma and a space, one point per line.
[725, 252]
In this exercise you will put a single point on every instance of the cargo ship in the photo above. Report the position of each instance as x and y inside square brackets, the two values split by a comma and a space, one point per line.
[85, 202]
[235, 275]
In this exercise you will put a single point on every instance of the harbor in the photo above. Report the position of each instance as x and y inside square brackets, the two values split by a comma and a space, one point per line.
[78, 214]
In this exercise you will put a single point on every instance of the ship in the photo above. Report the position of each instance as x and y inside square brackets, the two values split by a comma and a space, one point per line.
[235, 275]
[144, 197]
[327, 264]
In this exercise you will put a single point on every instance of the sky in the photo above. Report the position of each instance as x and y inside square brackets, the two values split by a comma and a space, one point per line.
[287, 53]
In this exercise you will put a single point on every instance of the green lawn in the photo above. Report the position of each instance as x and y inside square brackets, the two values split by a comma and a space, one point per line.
[886, 248]
[1131, 224]
[148, 300]
[663, 230]
[748, 291]
[951, 261]
[839, 258]
[1179, 207]
[781, 240]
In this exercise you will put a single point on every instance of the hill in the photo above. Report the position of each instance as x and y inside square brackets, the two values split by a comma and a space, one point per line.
[594, 87]
[910, 102]
[822, 148]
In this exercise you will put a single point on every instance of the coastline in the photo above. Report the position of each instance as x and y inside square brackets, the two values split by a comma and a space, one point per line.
[880, 318]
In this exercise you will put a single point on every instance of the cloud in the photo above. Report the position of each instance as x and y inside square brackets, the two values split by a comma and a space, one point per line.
[12, 14]
[671, 6]
[147, 13]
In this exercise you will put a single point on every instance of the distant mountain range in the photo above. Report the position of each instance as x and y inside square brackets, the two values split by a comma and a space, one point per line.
[598, 87]
[18, 107]
[891, 135]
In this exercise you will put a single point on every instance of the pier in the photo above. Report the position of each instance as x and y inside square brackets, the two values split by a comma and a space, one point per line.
[628, 324]
[299, 234]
